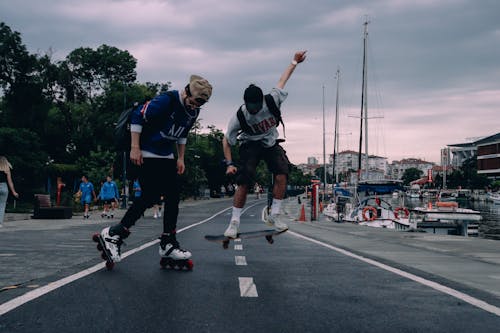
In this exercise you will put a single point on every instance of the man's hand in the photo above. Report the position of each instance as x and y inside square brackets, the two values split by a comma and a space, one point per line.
[136, 156]
[300, 56]
[181, 167]
[231, 170]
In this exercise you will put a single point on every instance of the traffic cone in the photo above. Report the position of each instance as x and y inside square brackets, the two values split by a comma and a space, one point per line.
[302, 217]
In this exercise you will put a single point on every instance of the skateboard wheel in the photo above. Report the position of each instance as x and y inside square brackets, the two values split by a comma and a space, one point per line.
[95, 238]
[103, 256]
[99, 247]
[110, 265]
[270, 239]
[189, 265]
[225, 244]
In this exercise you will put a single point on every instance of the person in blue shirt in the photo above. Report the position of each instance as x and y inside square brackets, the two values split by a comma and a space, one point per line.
[136, 188]
[159, 130]
[86, 192]
[109, 195]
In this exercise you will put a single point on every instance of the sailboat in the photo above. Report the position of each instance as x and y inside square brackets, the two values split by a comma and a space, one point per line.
[340, 196]
[372, 210]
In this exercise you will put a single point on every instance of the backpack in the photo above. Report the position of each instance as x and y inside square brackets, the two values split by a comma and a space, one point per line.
[271, 105]
[122, 128]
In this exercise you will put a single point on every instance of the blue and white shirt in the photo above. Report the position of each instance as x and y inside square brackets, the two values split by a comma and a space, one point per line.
[162, 122]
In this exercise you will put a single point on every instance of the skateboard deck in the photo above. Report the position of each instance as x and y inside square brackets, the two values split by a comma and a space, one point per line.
[268, 234]
[105, 255]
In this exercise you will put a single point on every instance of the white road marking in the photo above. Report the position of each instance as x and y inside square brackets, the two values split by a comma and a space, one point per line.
[247, 287]
[439, 287]
[240, 260]
[238, 247]
[33, 294]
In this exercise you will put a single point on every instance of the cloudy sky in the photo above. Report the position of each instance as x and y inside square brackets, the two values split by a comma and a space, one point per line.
[433, 66]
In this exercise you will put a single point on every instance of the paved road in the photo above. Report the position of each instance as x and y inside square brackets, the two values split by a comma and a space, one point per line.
[319, 277]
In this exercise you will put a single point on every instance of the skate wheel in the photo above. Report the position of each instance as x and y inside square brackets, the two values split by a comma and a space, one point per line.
[110, 265]
[225, 244]
[99, 247]
[103, 256]
[270, 239]
[95, 238]
[189, 265]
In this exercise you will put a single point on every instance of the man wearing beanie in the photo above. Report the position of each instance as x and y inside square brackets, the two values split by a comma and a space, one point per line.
[258, 142]
[159, 128]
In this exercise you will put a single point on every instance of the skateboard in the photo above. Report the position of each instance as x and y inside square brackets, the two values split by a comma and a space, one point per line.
[268, 234]
[105, 255]
[177, 264]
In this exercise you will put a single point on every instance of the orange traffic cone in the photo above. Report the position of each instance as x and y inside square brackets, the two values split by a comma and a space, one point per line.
[302, 217]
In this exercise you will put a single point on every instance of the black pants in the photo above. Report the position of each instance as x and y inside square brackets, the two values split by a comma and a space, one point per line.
[157, 177]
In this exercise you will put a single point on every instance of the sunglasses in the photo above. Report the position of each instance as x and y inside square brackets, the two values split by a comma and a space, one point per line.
[199, 101]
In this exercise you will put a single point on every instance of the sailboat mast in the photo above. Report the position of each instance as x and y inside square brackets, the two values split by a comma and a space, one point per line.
[336, 131]
[365, 43]
[364, 105]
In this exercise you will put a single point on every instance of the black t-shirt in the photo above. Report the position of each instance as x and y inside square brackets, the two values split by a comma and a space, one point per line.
[3, 177]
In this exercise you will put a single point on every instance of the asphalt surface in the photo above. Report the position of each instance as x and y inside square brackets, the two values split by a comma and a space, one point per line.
[321, 276]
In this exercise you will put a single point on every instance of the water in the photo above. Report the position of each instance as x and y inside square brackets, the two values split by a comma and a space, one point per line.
[489, 226]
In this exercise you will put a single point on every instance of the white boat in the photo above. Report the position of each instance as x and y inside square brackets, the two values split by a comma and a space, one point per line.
[446, 218]
[376, 212]
[447, 195]
[414, 192]
[493, 197]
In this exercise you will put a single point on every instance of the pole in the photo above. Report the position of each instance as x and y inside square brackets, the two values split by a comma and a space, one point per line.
[124, 202]
[324, 148]
[336, 135]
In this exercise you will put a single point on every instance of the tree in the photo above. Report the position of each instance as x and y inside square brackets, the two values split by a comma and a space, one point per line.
[410, 175]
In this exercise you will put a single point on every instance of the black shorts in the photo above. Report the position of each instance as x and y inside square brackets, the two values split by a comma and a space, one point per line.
[251, 153]
[107, 201]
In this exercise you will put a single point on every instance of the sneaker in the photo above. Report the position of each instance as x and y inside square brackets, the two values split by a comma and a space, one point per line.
[155, 216]
[169, 248]
[274, 220]
[232, 229]
[112, 243]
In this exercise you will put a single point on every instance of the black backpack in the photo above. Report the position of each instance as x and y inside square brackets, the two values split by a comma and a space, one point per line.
[122, 128]
[271, 105]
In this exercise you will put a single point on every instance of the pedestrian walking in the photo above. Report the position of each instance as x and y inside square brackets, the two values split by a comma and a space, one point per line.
[159, 128]
[109, 195]
[254, 125]
[6, 183]
[86, 193]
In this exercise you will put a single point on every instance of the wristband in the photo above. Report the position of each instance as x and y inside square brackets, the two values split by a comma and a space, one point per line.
[294, 62]
[228, 163]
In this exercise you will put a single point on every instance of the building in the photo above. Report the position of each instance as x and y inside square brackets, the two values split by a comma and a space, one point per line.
[488, 156]
[398, 168]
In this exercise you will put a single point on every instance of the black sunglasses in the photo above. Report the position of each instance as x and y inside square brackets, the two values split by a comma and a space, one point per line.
[198, 100]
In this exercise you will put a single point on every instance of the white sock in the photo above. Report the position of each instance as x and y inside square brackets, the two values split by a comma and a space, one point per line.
[236, 214]
[276, 206]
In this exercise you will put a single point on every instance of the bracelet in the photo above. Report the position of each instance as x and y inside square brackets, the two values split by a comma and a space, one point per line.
[228, 163]
[294, 62]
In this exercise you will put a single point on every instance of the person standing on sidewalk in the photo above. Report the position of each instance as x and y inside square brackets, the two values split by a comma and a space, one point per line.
[159, 128]
[258, 142]
[109, 195]
[86, 192]
[5, 183]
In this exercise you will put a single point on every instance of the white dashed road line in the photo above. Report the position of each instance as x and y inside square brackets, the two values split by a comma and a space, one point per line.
[240, 261]
[247, 287]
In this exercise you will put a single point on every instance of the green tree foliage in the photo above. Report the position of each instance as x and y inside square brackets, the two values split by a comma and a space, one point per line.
[410, 175]
[22, 148]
